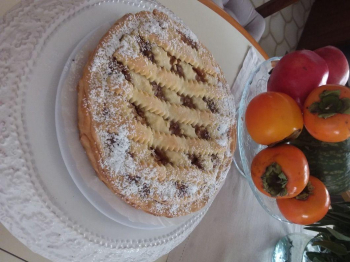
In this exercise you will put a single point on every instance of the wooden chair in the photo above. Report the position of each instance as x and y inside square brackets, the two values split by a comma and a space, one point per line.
[273, 6]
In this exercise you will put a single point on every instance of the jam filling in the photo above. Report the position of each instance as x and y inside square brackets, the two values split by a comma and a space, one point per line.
[133, 179]
[176, 67]
[173, 60]
[145, 190]
[195, 161]
[202, 133]
[188, 41]
[163, 24]
[105, 111]
[116, 66]
[158, 91]
[182, 188]
[175, 129]
[211, 105]
[131, 154]
[160, 156]
[187, 101]
[139, 114]
[111, 140]
[146, 49]
[200, 75]
[215, 160]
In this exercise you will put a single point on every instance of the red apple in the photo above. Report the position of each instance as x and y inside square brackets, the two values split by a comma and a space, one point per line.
[337, 64]
[297, 74]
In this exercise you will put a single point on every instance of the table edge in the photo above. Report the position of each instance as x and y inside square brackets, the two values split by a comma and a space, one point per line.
[235, 24]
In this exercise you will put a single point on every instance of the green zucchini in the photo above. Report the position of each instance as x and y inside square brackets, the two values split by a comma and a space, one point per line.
[330, 162]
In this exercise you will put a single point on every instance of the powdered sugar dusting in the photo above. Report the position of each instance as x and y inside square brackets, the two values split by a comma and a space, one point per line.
[189, 34]
[110, 89]
[105, 52]
[115, 158]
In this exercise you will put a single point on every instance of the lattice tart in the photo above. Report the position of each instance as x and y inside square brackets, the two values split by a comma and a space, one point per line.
[155, 115]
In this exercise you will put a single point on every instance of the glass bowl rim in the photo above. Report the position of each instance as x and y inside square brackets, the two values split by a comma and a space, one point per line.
[244, 162]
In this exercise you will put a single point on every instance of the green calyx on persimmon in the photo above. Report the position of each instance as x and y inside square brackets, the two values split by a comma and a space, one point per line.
[330, 104]
[274, 180]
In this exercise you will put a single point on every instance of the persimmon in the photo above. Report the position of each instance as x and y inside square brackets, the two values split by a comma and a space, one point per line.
[280, 172]
[272, 117]
[308, 207]
[327, 113]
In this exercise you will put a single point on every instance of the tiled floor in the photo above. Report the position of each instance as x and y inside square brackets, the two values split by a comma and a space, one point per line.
[284, 28]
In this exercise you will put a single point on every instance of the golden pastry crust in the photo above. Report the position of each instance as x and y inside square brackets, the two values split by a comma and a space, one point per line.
[156, 117]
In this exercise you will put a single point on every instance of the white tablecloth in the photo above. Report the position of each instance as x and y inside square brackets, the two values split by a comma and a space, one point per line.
[236, 228]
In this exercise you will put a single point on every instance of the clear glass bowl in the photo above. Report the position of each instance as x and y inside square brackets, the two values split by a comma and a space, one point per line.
[256, 84]
[293, 248]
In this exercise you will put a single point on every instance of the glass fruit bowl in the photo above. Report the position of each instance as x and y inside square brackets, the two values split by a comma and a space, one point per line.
[256, 84]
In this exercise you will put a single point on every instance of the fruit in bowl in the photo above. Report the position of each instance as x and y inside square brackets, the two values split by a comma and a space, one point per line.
[279, 118]
[280, 172]
[327, 113]
[308, 207]
[297, 74]
[301, 76]
[337, 64]
[327, 161]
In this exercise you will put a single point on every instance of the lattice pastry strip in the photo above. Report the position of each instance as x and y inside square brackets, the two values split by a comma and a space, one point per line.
[179, 113]
[188, 71]
[211, 80]
[172, 97]
[190, 39]
[177, 172]
[186, 145]
[141, 83]
[143, 66]
[161, 57]
[188, 130]
[175, 177]
[150, 103]
[164, 141]
[173, 43]
[185, 115]
[136, 131]
[179, 167]
[183, 69]
[174, 174]
[157, 123]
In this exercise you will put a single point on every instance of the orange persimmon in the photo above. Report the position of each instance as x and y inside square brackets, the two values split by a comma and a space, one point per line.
[280, 172]
[327, 113]
[272, 117]
[308, 207]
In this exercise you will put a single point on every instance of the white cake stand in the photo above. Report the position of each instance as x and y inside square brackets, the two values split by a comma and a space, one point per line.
[39, 202]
